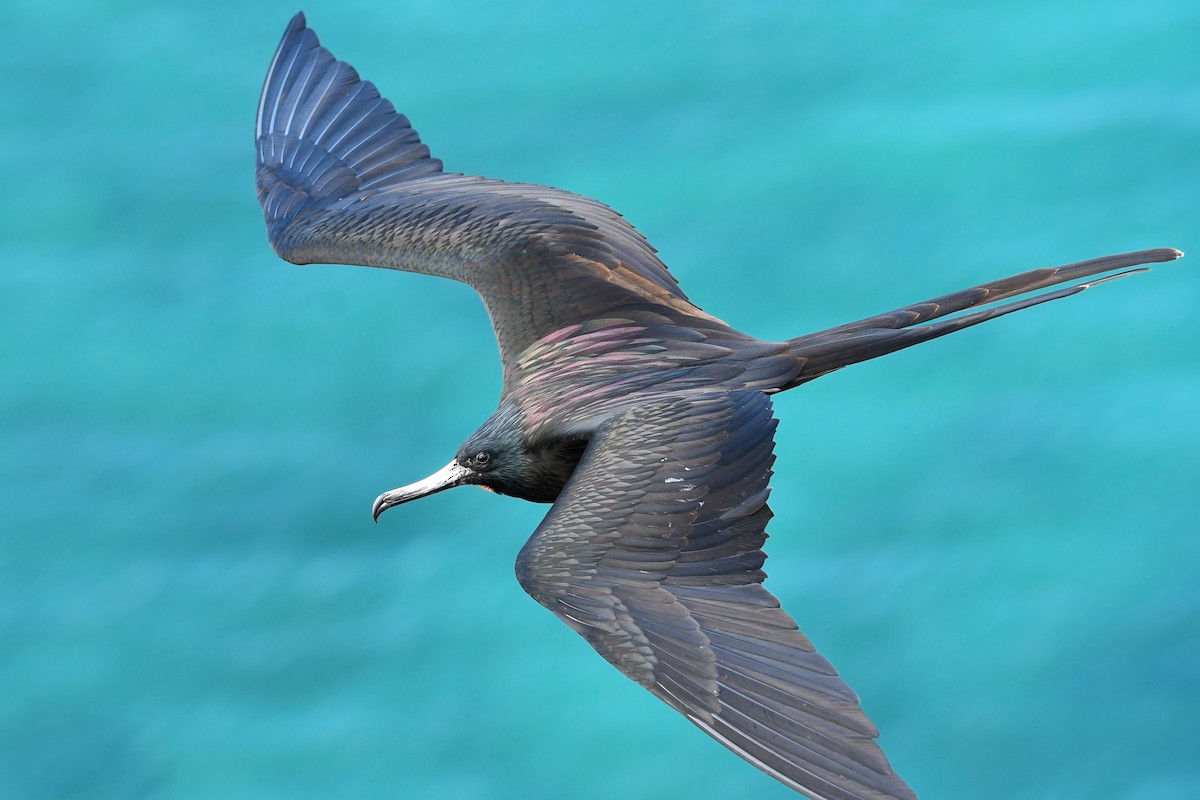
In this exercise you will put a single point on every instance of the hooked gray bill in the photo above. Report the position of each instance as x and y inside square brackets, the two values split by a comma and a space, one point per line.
[449, 476]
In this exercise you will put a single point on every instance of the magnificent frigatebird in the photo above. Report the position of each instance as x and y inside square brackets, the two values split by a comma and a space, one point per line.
[644, 420]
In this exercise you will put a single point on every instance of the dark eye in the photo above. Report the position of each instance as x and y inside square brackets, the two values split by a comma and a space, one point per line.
[481, 459]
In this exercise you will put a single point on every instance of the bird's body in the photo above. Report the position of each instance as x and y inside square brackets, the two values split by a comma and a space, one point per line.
[645, 421]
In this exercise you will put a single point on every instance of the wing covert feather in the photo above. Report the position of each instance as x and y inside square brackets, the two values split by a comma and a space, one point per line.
[653, 552]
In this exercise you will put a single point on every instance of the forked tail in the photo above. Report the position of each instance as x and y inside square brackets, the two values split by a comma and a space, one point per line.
[834, 348]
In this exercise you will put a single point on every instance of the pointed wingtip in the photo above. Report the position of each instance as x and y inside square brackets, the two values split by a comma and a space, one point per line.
[1156, 255]
[1161, 254]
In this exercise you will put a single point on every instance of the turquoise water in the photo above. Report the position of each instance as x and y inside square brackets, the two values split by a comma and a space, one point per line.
[993, 536]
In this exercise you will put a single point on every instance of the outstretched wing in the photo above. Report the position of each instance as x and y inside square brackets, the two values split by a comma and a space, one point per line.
[653, 553]
[343, 178]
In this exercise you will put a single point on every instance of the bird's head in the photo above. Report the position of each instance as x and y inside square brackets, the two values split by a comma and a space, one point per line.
[478, 464]
[498, 458]
[495, 458]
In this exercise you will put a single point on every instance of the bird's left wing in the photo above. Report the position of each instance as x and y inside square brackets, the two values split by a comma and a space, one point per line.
[343, 178]
[653, 553]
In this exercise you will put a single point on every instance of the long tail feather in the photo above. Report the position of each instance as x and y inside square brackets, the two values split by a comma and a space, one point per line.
[834, 348]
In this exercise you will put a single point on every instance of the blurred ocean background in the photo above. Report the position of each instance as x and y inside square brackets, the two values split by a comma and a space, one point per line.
[993, 536]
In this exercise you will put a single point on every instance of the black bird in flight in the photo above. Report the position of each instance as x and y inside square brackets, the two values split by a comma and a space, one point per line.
[645, 421]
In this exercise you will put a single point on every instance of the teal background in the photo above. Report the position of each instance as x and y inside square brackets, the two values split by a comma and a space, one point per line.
[993, 536]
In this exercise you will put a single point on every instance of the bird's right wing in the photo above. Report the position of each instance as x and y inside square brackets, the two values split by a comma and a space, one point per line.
[344, 179]
[653, 553]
